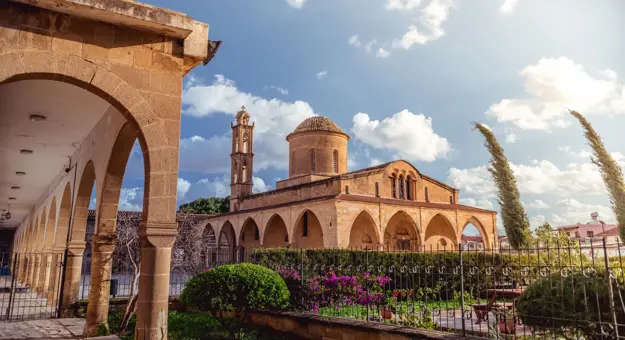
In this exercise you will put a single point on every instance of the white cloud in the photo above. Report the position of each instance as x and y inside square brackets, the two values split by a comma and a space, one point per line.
[402, 4]
[374, 162]
[370, 44]
[183, 187]
[131, 199]
[555, 84]
[322, 74]
[296, 3]
[258, 185]
[482, 203]
[511, 138]
[538, 204]
[220, 187]
[354, 41]
[278, 89]
[537, 220]
[538, 177]
[409, 135]
[432, 17]
[508, 6]
[382, 53]
[274, 119]
[573, 211]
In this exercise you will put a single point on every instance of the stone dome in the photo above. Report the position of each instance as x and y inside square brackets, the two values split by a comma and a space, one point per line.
[318, 123]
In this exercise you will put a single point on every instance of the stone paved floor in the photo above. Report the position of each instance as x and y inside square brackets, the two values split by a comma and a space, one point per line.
[42, 329]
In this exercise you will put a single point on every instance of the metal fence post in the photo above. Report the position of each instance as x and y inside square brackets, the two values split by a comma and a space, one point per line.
[464, 331]
[12, 291]
[608, 274]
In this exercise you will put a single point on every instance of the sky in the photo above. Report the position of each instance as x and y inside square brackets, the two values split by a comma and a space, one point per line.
[405, 79]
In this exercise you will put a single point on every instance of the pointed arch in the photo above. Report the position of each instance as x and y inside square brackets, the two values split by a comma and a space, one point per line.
[208, 246]
[440, 234]
[363, 232]
[275, 234]
[63, 221]
[227, 238]
[250, 234]
[401, 232]
[50, 225]
[308, 232]
[32, 235]
[480, 228]
[41, 230]
[81, 205]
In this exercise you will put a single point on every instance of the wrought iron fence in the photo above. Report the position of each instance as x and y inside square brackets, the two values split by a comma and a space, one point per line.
[568, 291]
[30, 285]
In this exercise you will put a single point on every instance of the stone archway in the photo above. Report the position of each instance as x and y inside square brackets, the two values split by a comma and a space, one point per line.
[363, 233]
[440, 234]
[60, 241]
[275, 234]
[401, 233]
[40, 239]
[250, 235]
[46, 254]
[226, 243]
[486, 243]
[308, 232]
[208, 247]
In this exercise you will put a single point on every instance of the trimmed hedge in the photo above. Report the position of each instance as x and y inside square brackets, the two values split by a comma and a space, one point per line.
[409, 270]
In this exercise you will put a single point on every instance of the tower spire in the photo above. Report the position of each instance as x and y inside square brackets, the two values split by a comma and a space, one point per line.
[242, 158]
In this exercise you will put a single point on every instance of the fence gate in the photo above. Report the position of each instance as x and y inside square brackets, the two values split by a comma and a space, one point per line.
[30, 285]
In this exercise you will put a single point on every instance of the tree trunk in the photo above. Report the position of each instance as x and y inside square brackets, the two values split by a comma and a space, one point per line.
[132, 302]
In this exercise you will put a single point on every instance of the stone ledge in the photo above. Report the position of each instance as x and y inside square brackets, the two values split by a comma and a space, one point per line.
[342, 329]
[122, 12]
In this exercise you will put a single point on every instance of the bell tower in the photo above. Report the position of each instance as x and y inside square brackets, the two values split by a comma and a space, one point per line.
[242, 159]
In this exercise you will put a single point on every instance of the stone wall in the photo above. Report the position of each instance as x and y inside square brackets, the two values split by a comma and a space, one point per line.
[320, 328]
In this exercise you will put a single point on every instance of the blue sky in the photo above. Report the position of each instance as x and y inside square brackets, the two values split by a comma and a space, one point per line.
[405, 78]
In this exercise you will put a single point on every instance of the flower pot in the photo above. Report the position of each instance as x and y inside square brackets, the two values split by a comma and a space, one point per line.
[507, 326]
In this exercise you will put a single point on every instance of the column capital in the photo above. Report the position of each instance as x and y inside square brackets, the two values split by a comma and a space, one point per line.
[76, 247]
[158, 234]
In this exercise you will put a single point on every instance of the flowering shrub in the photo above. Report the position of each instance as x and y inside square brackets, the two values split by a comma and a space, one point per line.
[332, 290]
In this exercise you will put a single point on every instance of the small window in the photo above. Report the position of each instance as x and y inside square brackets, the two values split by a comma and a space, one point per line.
[408, 189]
[292, 162]
[577, 234]
[256, 234]
[286, 237]
[245, 143]
[243, 235]
[427, 196]
[377, 189]
[393, 187]
[451, 199]
[335, 161]
[244, 174]
[590, 233]
[347, 189]
[305, 233]
[313, 162]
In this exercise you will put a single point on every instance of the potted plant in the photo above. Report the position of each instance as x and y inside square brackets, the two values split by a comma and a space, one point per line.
[506, 321]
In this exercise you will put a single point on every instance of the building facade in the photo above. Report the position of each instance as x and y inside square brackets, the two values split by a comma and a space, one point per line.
[592, 235]
[322, 205]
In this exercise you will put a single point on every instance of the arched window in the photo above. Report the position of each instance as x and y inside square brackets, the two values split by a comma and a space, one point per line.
[335, 161]
[313, 161]
[401, 187]
[394, 186]
[236, 143]
[427, 196]
[293, 163]
[245, 143]
[408, 189]
[244, 173]
[235, 173]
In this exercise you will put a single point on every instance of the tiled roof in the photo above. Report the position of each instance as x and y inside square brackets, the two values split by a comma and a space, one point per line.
[318, 123]
[610, 232]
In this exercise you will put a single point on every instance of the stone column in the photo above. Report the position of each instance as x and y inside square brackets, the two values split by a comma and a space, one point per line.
[73, 268]
[55, 275]
[99, 287]
[157, 240]
[32, 270]
[44, 279]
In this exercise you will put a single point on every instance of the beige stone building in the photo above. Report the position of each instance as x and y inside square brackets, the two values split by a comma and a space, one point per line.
[322, 205]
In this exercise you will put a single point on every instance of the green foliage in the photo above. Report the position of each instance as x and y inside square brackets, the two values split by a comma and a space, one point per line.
[210, 206]
[577, 302]
[515, 221]
[236, 288]
[610, 171]
[481, 270]
[562, 248]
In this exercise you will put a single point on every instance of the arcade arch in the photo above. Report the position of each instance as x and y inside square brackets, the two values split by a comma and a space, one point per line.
[440, 234]
[401, 233]
[363, 233]
[308, 232]
[275, 234]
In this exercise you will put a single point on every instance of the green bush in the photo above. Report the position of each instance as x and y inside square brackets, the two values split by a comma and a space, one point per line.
[408, 270]
[577, 302]
[236, 288]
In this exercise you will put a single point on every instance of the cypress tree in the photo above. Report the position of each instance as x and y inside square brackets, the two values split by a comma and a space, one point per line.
[610, 171]
[515, 221]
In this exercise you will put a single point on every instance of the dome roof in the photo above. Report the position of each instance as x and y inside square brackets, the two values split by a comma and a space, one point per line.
[318, 123]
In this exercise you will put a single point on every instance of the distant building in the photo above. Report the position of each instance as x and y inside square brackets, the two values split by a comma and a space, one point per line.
[470, 242]
[591, 234]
